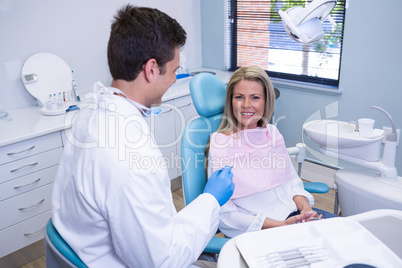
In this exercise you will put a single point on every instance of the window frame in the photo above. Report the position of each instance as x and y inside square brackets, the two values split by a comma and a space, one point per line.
[309, 83]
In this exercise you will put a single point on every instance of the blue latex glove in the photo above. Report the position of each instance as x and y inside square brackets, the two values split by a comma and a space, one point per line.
[221, 185]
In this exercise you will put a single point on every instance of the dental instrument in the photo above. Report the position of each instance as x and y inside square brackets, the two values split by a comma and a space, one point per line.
[75, 89]
[389, 154]
[294, 257]
[72, 108]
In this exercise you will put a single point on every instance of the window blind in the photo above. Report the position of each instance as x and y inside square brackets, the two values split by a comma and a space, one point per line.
[256, 36]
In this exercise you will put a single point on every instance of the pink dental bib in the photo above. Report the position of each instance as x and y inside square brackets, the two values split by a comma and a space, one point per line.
[258, 156]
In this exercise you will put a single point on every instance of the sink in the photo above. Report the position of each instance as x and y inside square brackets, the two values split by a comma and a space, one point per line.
[342, 138]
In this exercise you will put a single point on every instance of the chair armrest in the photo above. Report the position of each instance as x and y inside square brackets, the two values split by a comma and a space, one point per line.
[316, 187]
[299, 150]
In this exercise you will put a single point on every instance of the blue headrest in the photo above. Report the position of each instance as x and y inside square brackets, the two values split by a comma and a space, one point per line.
[208, 93]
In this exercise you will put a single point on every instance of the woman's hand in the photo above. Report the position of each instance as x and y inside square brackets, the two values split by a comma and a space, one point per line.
[303, 217]
[314, 215]
[268, 223]
[303, 206]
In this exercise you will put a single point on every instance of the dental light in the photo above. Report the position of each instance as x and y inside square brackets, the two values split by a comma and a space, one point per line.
[304, 24]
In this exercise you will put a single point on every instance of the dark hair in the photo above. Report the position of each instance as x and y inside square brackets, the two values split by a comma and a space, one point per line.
[139, 34]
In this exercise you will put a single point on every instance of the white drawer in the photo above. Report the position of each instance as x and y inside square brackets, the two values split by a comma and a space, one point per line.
[183, 102]
[27, 205]
[23, 234]
[29, 147]
[30, 164]
[28, 182]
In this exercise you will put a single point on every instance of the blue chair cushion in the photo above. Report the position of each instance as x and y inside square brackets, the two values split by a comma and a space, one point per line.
[193, 143]
[62, 246]
[215, 245]
[316, 187]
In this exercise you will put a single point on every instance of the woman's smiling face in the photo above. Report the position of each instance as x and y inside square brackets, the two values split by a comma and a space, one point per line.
[248, 103]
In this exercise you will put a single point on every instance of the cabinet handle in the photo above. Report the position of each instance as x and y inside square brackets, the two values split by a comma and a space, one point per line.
[184, 106]
[34, 233]
[167, 111]
[21, 151]
[30, 165]
[37, 204]
[22, 186]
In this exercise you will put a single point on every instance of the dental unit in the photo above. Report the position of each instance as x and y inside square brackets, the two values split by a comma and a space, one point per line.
[376, 187]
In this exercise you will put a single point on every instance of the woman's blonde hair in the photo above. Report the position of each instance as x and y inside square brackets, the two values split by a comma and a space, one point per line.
[229, 122]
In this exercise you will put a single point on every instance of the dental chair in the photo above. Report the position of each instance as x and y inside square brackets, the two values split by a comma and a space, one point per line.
[209, 93]
[58, 252]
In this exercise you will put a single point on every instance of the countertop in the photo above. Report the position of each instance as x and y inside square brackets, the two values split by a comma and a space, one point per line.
[28, 122]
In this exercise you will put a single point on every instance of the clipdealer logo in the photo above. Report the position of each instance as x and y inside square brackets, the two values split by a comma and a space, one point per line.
[106, 128]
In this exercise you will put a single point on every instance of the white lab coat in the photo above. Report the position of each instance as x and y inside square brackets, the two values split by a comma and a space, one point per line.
[248, 213]
[114, 208]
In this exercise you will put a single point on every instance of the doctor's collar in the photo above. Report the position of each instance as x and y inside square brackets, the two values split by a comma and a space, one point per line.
[145, 111]
[99, 88]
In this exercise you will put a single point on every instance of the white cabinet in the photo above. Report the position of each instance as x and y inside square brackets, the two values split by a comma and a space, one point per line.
[167, 128]
[186, 113]
[27, 171]
[162, 127]
[23, 233]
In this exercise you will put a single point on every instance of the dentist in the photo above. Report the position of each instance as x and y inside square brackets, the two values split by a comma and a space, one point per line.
[110, 209]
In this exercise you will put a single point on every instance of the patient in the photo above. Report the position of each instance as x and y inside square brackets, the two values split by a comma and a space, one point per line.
[268, 192]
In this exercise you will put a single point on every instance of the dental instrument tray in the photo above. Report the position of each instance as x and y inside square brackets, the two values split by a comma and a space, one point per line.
[335, 242]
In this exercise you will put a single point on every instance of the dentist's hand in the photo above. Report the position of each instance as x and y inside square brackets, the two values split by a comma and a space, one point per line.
[221, 185]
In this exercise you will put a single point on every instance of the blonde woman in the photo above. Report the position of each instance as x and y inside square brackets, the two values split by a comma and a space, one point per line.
[267, 187]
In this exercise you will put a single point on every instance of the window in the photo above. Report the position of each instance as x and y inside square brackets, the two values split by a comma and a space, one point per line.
[256, 36]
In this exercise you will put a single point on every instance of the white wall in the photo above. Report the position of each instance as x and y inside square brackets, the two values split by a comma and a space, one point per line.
[78, 32]
[371, 71]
